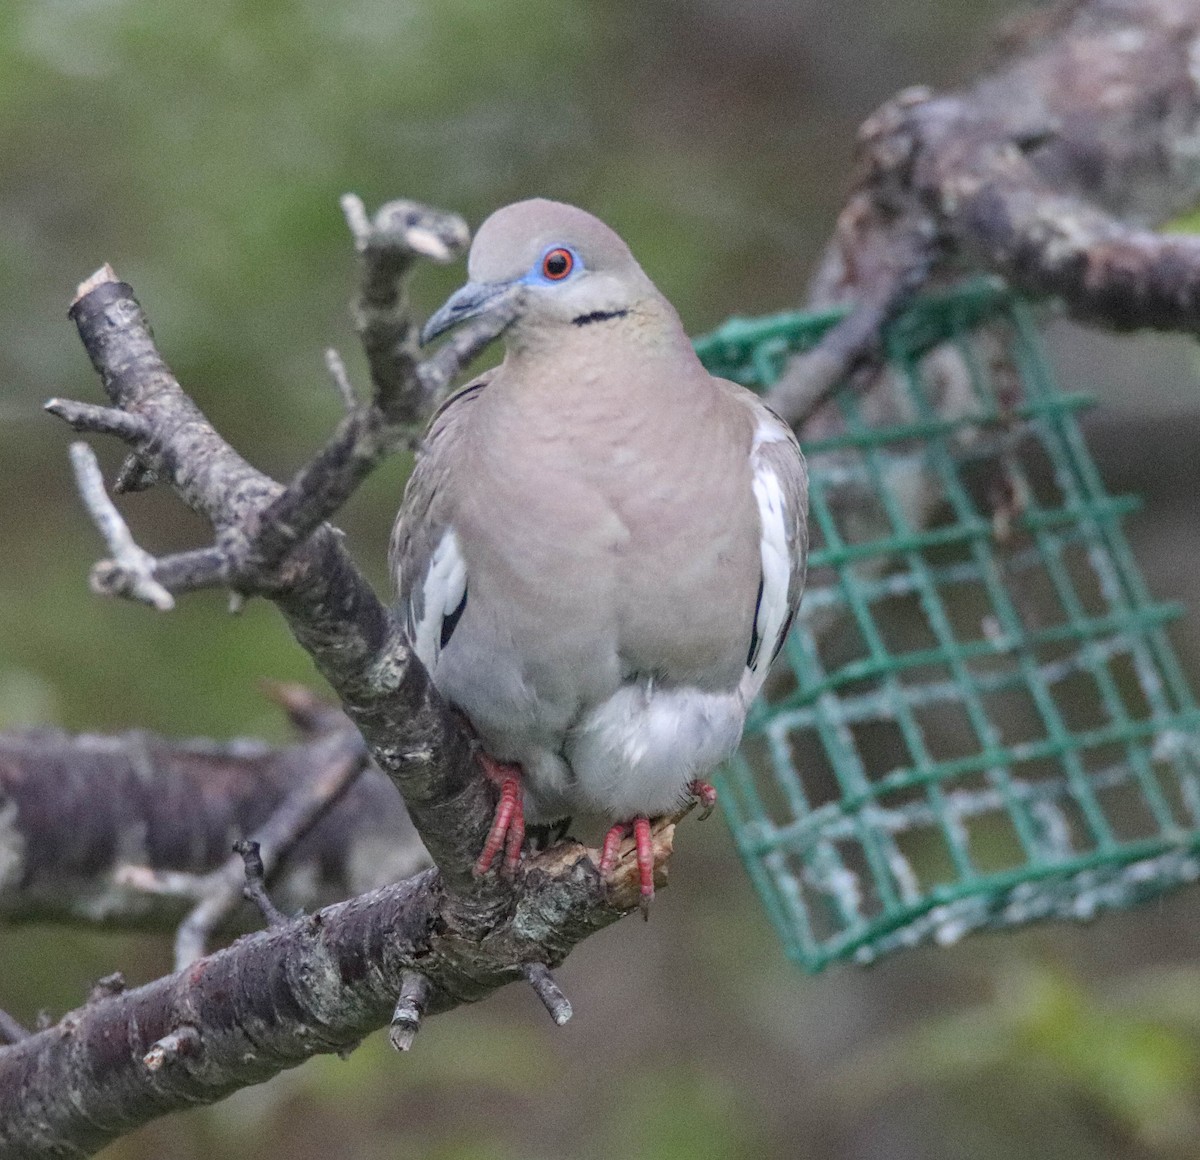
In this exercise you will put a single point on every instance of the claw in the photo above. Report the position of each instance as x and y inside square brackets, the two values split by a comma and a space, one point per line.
[508, 825]
[644, 846]
[706, 795]
[645, 862]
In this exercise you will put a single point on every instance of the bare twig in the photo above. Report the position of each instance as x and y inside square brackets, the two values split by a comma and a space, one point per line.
[341, 378]
[410, 1007]
[387, 245]
[813, 378]
[342, 758]
[462, 345]
[131, 570]
[99, 420]
[311, 716]
[542, 981]
[255, 889]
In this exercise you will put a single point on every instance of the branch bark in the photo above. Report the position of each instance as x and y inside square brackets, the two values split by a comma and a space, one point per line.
[1048, 170]
[85, 821]
[274, 999]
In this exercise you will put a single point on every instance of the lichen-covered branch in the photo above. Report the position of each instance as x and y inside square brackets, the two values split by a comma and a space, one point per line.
[274, 999]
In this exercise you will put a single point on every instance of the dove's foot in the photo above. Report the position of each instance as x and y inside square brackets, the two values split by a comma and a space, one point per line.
[508, 825]
[705, 794]
[640, 828]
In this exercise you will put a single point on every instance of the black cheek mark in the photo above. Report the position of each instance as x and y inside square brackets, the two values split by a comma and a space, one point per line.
[598, 316]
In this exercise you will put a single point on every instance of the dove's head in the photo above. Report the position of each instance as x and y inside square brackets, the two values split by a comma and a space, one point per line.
[552, 265]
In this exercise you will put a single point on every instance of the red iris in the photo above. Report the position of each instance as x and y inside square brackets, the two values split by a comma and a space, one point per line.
[557, 264]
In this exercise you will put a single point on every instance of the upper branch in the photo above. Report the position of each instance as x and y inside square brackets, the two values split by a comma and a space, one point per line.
[271, 540]
[1047, 170]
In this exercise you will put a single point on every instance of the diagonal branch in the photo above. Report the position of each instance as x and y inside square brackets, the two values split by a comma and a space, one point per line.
[271, 541]
[130, 572]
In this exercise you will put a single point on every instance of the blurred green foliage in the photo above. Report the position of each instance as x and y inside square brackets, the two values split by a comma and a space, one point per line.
[201, 148]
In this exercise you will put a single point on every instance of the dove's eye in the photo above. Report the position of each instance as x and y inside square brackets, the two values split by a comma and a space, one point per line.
[557, 264]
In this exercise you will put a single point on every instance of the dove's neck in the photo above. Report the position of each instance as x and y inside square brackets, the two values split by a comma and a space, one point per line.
[625, 358]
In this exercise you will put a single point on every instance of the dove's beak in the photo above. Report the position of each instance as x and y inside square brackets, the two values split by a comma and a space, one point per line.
[473, 300]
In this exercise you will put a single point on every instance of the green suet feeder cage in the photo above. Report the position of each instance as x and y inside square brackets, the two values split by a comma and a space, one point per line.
[981, 721]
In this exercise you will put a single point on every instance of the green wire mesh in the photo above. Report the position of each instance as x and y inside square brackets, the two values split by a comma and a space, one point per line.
[981, 722]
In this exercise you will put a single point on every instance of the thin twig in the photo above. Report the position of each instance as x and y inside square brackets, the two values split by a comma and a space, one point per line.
[341, 378]
[344, 759]
[901, 255]
[546, 989]
[255, 888]
[310, 715]
[170, 883]
[101, 420]
[388, 243]
[131, 570]
[463, 344]
[410, 1009]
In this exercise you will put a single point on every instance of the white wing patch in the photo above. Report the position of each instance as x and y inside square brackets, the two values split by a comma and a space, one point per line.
[776, 568]
[776, 561]
[443, 591]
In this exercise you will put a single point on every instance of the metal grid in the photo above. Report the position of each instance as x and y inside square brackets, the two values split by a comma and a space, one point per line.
[982, 722]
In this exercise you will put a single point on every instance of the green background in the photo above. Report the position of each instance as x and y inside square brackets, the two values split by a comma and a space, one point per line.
[201, 149]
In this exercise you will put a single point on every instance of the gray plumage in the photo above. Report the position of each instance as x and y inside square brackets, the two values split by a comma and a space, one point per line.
[601, 545]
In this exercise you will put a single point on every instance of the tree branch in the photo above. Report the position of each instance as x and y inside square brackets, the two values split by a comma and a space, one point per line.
[270, 540]
[1046, 170]
[124, 830]
[268, 1002]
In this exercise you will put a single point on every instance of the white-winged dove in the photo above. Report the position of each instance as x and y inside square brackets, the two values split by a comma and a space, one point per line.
[601, 547]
